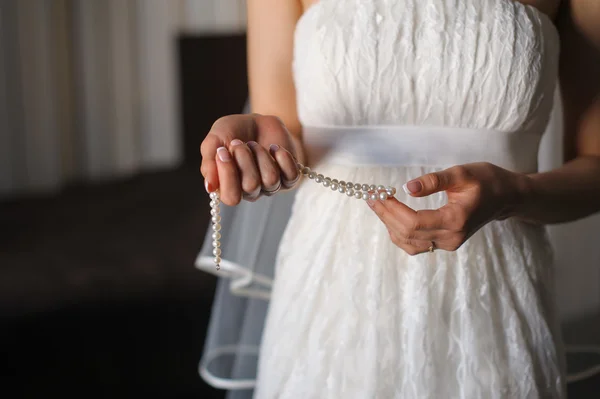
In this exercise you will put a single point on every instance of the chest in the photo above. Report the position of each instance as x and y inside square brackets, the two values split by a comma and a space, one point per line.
[549, 7]
[475, 63]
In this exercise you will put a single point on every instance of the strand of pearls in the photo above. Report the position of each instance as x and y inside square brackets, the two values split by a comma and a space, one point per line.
[216, 226]
[355, 190]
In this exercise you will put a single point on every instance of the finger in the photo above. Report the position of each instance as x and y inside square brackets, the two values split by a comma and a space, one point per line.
[394, 212]
[446, 244]
[230, 189]
[222, 132]
[415, 234]
[396, 217]
[287, 165]
[430, 224]
[208, 167]
[391, 209]
[435, 182]
[429, 219]
[247, 169]
[414, 247]
[428, 236]
[268, 168]
[424, 225]
[419, 250]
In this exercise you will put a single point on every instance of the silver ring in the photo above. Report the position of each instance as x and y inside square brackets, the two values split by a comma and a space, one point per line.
[290, 184]
[269, 193]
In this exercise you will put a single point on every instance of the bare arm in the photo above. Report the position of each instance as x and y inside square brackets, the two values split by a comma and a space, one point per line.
[247, 156]
[549, 7]
[573, 191]
[482, 192]
[271, 26]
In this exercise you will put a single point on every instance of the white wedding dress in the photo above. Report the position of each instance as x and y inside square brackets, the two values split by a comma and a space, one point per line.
[353, 316]
[388, 90]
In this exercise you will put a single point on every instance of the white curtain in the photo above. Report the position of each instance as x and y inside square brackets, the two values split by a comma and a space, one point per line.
[89, 89]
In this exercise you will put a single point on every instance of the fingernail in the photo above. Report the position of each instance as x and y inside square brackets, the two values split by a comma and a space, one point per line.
[206, 186]
[370, 202]
[223, 154]
[252, 143]
[412, 187]
[236, 142]
[273, 148]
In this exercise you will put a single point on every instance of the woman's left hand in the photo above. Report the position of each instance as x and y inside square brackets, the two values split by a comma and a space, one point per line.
[477, 194]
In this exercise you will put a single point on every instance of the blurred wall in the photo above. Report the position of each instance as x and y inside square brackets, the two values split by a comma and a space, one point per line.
[88, 88]
[577, 254]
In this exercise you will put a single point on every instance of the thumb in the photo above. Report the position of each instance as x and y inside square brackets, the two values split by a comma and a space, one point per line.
[430, 183]
[211, 176]
[208, 167]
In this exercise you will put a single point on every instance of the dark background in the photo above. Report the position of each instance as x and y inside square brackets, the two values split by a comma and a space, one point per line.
[99, 296]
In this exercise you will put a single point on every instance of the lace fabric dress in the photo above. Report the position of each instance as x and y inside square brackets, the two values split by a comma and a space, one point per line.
[353, 316]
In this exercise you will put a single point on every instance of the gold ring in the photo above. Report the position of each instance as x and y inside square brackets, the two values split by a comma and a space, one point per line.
[432, 247]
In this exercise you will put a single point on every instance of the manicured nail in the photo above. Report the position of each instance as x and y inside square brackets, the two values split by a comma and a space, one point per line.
[273, 148]
[223, 154]
[206, 186]
[412, 187]
[236, 142]
[370, 202]
[252, 143]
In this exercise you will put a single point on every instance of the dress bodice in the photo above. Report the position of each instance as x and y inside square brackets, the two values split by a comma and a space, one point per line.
[478, 64]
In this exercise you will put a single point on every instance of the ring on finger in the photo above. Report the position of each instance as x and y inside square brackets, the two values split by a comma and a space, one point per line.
[290, 183]
[431, 247]
[269, 193]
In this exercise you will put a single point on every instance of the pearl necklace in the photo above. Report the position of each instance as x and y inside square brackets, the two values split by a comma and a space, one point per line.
[356, 190]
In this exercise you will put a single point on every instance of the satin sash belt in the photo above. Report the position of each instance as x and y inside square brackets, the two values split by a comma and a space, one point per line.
[421, 146]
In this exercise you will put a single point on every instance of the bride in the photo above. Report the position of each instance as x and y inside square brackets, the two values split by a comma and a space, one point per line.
[414, 263]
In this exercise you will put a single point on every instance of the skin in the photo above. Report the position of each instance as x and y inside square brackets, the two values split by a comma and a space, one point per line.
[477, 193]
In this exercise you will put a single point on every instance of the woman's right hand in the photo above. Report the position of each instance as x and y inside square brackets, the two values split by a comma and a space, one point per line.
[246, 156]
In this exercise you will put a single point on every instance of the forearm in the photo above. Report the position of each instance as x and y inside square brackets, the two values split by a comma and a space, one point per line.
[572, 191]
[565, 194]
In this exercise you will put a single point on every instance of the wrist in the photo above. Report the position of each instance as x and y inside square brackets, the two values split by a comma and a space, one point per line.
[299, 150]
[525, 196]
